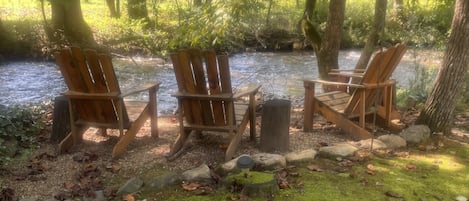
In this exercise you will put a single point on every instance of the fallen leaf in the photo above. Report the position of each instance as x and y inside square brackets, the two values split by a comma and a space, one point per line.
[393, 194]
[128, 197]
[411, 166]
[114, 168]
[284, 184]
[370, 172]
[370, 167]
[314, 168]
[190, 186]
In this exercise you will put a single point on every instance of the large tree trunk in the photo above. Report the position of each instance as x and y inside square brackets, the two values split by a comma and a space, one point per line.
[328, 52]
[69, 25]
[114, 8]
[438, 110]
[375, 35]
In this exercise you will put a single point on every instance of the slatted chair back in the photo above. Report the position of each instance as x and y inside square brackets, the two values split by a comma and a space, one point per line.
[378, 72]
[203, 73]
[86, 71]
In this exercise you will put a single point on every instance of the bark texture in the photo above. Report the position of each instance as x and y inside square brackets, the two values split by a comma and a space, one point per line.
[439, 107]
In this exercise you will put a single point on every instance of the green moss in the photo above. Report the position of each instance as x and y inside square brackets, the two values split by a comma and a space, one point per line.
[252, 178]
[418, 175]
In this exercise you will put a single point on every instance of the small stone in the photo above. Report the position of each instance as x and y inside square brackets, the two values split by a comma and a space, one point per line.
[199, 173]
[339, 150]
[131, 186]
[393, 141]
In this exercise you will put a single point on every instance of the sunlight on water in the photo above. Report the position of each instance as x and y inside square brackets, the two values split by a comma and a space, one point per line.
[281, 75]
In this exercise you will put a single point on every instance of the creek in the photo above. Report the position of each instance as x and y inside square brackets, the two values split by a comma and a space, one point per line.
[281, 75]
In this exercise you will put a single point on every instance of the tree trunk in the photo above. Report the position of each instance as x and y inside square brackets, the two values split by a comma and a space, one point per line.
[375, 35]
[137, 10]
[69, 25]
[439, 107]
[269, 10]
[328, 52]
[114, 8]
[398, 9]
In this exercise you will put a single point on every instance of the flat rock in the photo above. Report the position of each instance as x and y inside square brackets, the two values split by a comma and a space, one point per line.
[305, 155]
[269, 161]
[341, 150]
[416, 134]
[393, 141]
[132, 185]
[199, 173]
[369, 143]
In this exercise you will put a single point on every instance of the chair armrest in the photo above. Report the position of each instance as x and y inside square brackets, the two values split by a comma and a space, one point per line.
[81, 95]
[252, 89]
[357, 75]
[366, 85]
[348, 70]
[324, 82]
[216, 97]
[145, 87]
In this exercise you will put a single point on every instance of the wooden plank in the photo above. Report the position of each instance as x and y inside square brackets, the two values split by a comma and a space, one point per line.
[201, 84]
[108, 112]
[225, 83]
[186, 105]
[214, 86]
[189, 86]
[83, 83]
[112, 83]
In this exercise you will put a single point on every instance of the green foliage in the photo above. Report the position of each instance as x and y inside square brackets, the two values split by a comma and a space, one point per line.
[419, 86]
[227, 25]
[21, 125]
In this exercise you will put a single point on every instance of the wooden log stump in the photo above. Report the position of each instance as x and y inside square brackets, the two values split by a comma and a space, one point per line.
[275, 126]
[61, 120]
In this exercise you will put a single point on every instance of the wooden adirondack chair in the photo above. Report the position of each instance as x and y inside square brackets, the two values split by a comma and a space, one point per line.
[206, 100]
[342, 107]
[95, 99]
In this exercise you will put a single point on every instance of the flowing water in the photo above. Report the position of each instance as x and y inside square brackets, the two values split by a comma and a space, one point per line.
[280, 74]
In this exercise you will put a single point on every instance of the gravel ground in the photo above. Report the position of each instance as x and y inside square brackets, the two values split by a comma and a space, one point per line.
[45, 175]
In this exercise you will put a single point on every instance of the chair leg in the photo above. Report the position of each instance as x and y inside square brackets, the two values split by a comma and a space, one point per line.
[308, 106]
[153, 113]
[252, 117]
[178, 144]
[232, 147]
[74, 137]
[125, 140]
[66, 143]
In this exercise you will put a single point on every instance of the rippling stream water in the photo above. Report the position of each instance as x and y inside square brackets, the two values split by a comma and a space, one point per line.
[281, 75]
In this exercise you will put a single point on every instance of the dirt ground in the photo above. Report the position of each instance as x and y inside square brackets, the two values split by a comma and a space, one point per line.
[45, 174]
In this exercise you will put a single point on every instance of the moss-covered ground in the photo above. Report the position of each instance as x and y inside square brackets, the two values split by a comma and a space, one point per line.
[441, 173]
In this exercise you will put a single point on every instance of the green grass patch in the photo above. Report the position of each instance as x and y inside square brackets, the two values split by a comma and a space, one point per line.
[411, 174]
